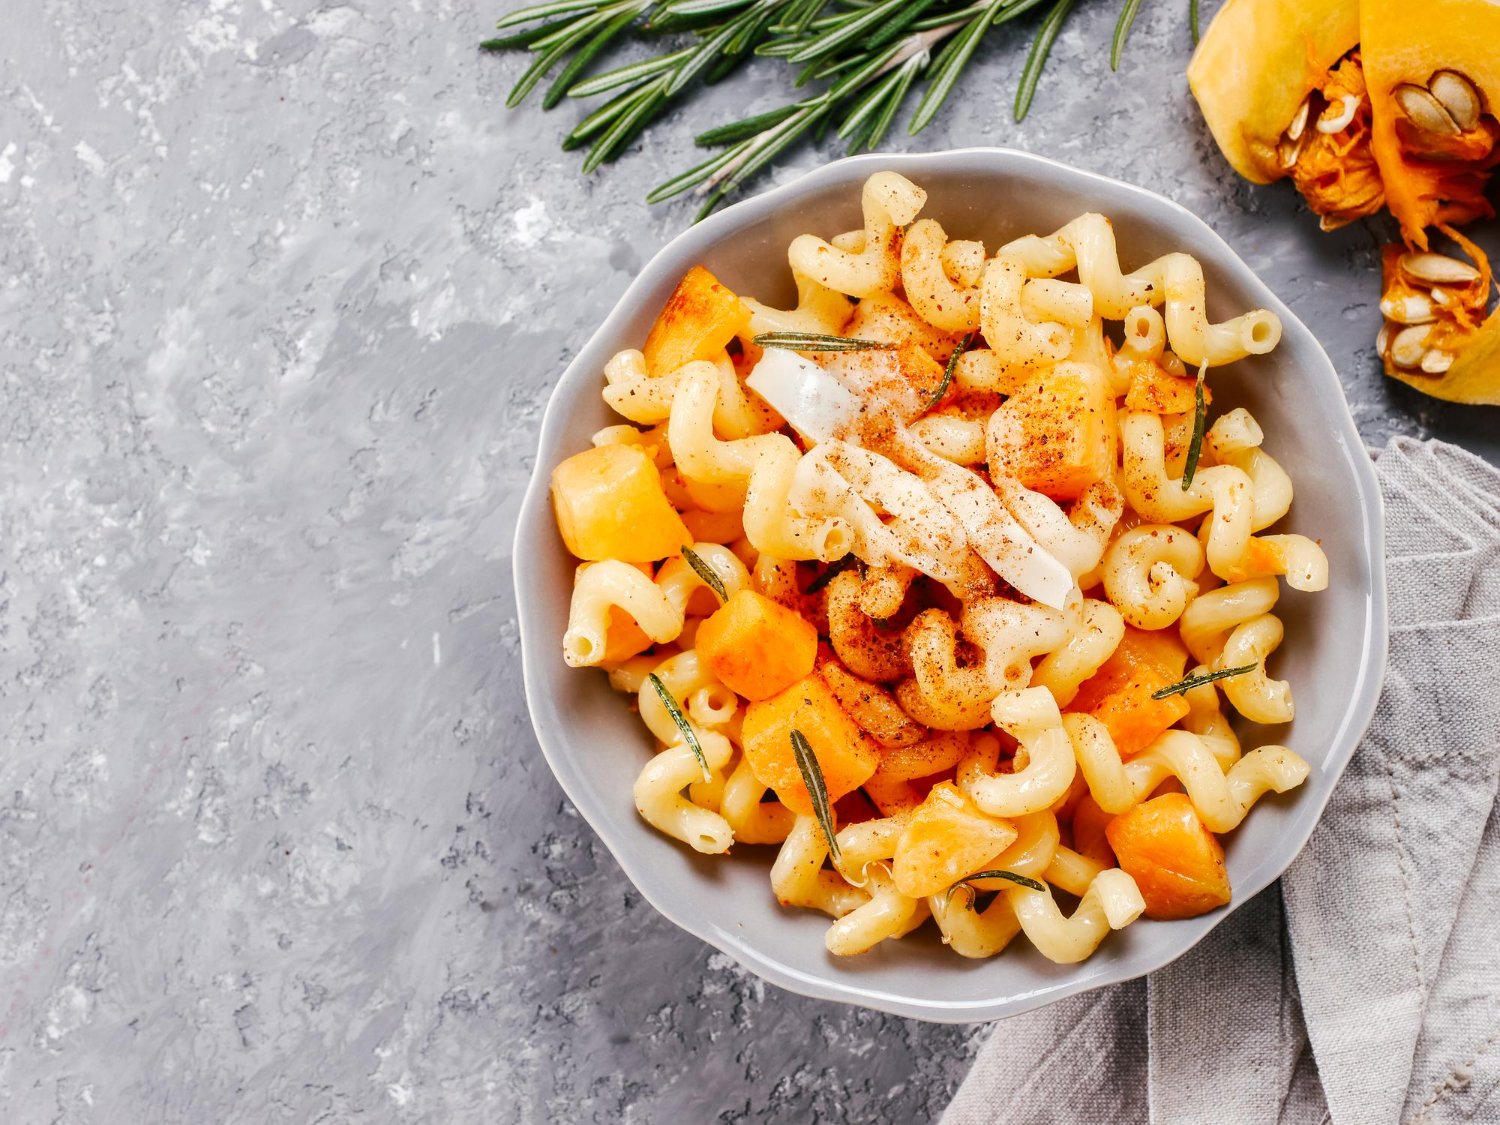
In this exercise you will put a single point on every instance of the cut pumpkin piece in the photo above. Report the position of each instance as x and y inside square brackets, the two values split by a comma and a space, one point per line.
[756, 647]
[1255, 67]
[1433, 72]
[1436, 336]
[1119, 694]
[1177, 863]
[699, 319]
[1057, 435]
[610, 504]
[846, 755]
[947, 838]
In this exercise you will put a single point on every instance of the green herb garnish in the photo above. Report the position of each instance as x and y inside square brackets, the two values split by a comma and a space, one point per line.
[1193, 20]
[1192, 682]
[1036, 58]
[1200, 417]
[966, 883]
[1122, 31]
[818, 342]
[948, 369]
[817, 789]
[835, 568]
[709, 575]
[865, 61]
[688, 734]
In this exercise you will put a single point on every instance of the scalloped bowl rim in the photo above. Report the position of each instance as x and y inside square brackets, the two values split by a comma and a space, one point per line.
[665, 893]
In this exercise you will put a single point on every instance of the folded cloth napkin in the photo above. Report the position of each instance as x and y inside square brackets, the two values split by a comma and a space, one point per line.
[1365, 988]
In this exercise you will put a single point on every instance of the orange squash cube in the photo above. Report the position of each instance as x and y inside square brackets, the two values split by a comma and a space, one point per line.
[1057, 436]
[846, 754]
[1174, 859]
[1154, 391]
[697, 322]
[947, 838]
[1119, 694]
[610, 504]
[757, 647]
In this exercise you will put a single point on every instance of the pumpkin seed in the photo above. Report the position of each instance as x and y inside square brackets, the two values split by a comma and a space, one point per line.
[1299, 119]
[1438, 269]
[1382, 338]
[1333, 121]
[1437, 361]
[1413, 309]
[1458, 96]
[1425, 111]
[1288, 151]
[1409, 345]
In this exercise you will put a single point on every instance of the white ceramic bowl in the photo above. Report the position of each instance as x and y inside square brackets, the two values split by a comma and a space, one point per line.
[1334, 653]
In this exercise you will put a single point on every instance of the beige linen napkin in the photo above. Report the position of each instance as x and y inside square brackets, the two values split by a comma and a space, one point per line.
[1364, 989]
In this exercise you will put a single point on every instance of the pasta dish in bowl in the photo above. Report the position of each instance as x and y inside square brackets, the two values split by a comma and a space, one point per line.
[955, 581]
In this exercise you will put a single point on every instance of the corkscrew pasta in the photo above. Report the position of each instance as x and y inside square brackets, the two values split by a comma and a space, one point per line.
[942, 585]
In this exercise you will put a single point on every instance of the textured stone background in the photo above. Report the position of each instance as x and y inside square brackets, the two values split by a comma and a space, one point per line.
[284, 291]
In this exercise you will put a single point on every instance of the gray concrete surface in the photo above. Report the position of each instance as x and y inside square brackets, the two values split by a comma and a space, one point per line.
[283, 290]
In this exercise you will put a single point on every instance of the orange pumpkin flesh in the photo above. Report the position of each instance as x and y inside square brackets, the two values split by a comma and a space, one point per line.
[699, 319]
[1177, 863]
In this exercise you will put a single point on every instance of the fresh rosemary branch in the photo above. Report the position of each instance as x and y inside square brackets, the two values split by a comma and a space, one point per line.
[859, 62]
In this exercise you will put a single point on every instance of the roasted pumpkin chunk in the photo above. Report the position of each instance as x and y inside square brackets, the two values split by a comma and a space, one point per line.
[699, 319]
[1119, 694]
[947, 837]
[846, 755]
[1057, 435]
[756, 647]
[1177, 863]
[610, 504]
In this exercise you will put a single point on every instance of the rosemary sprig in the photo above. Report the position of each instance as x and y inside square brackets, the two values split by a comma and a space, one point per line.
[1187, 685]
[817, 789]
[1122, 31]
[948, 369]
[818, 342]
[1193, 21]
[835, 568]
[1036, 58]
[1200, 417]
[864, 60]
[689, 735]
[709, 575]
[967, 883]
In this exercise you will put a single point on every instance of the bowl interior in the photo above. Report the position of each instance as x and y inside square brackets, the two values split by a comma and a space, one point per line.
[1333, 653]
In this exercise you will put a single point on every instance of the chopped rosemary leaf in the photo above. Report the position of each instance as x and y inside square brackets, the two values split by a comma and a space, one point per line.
[1011, 875]
[817, 789]
[1193, 20]
[1198, 681]
[709, 575]
[817, 342]
[688, 734]
[835, 568]
[948, 370]
[1200, 416]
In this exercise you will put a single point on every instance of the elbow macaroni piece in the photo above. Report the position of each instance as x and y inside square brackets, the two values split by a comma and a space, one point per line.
[959, 629]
